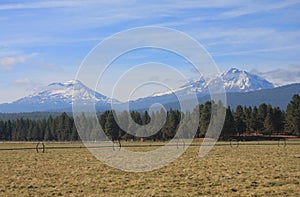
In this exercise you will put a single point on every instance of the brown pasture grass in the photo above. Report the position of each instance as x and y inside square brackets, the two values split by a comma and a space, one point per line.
[256, 170]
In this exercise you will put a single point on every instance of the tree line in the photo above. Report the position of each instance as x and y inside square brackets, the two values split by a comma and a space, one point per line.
[242, 120]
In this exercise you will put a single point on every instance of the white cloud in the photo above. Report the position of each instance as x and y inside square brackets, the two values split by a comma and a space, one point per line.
[255, 7]
[75, 3]
[40, 4]
[83, 15]
[23, 81]
[255, 51]
[282, 76]
[7, 63]
[5, 52]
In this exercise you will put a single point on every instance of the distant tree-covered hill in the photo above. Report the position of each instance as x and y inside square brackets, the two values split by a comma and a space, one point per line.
[264, 119]
[29, 115]
[277, 97]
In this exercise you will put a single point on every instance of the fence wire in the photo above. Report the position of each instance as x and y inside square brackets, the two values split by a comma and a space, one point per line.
[41, 147]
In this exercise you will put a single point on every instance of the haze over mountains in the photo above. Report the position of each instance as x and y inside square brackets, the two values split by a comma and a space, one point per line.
[242, 88]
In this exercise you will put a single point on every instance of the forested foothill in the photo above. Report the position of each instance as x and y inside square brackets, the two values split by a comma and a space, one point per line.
[263, 119]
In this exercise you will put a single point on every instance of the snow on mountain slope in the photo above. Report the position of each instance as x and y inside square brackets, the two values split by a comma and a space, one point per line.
[63, 92]
[57, 97]
[235, 80]
[199, 86]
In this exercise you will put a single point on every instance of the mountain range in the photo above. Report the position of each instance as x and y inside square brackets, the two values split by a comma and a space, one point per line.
[234, 80]
[57, 97]
[242, 88]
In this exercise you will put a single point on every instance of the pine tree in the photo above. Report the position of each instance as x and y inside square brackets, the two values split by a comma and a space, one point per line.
[261, 115]
[61, 127]
[111, 127]
[8, 126]
[268, 122]
[2, 130]
[102, 119]
[145, 118]
[247, 118]
[254, 122]
[292, 122]
[229, 125]
[74, 134]
[204, 118]
[239, 119]
[47, 134]
[159, 124]
[278, 120]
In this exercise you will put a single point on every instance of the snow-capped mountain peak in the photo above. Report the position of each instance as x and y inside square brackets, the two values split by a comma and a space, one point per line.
[234, 70]
[236, 80]
[70, 90]
[59, 96]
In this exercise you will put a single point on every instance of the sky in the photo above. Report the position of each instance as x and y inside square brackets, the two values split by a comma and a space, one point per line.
[45, 41]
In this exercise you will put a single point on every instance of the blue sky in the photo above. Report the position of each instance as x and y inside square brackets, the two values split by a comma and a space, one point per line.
[45, 41]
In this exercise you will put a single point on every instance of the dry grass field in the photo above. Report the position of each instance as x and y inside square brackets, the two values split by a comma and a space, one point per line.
[254, 170]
